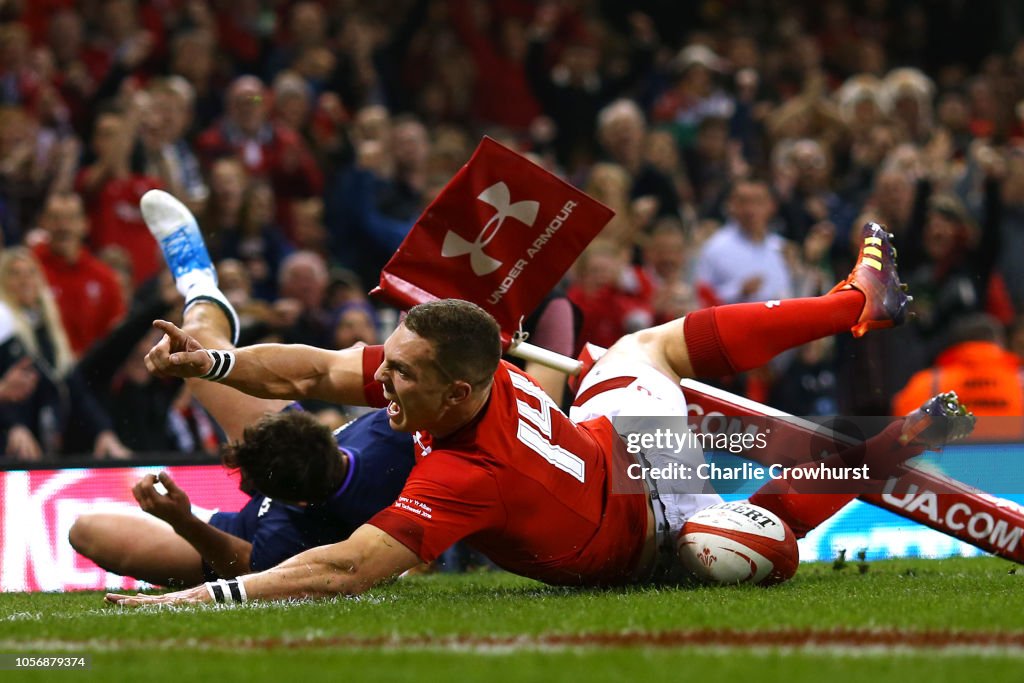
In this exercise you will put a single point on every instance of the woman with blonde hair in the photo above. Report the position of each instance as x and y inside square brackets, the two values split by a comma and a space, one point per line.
[61, 415]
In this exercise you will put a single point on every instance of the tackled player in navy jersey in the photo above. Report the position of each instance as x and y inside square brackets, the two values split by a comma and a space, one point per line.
[309, 487]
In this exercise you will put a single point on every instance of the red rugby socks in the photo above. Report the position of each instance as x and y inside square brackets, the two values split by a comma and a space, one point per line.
[724, 340]
[803, 504]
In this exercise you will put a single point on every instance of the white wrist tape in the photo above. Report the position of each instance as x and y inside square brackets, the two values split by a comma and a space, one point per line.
[223, 364]
[227, 590]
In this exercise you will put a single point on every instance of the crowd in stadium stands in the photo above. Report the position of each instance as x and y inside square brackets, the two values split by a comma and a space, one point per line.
[741, 143]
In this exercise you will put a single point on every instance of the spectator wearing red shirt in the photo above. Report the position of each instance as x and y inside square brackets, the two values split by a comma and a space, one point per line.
[86, 289]
[266, 149]
[608, 294]
[665, 276]
[112, 192]
[502, 95]
[130, 39]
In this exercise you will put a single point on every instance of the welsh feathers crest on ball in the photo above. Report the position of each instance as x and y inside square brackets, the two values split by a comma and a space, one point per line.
[738, 543]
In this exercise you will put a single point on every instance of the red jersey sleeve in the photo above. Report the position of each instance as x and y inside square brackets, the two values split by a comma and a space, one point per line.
[373, 356]
[442, 502]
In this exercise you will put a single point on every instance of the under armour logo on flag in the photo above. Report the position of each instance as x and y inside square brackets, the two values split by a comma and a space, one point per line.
[498, 196]
[520, 226]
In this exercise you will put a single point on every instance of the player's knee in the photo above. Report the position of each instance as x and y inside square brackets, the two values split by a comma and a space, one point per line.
[82, 535]
[93, 537]
[671, 344]
[634, 344]
[662, 347]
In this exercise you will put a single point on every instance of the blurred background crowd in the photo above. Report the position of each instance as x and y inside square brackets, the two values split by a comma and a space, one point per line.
[741, 142]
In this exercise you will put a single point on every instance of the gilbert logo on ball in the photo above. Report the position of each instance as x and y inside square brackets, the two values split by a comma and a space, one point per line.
[738, 543]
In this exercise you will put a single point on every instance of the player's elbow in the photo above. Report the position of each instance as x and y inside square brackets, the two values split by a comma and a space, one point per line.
[359, 575]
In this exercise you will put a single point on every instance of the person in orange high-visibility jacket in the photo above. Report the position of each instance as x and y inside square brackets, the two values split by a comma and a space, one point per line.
[988, 379]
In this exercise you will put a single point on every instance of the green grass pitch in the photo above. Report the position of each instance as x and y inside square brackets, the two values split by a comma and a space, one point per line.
[901, 620]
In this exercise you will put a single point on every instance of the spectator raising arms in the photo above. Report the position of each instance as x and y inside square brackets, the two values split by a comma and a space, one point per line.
[112, 190]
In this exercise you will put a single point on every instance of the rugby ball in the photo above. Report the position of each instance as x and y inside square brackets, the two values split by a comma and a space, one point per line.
[738, 542]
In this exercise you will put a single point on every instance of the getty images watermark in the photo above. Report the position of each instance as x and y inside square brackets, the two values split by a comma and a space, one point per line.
[738, 455]
[665, 441]
[719, 453]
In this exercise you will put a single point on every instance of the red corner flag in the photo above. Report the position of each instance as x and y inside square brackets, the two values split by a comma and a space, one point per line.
[501, 234]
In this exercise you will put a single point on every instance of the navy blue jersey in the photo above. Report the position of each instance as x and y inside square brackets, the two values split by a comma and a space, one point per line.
[379, 460]
[277, 531]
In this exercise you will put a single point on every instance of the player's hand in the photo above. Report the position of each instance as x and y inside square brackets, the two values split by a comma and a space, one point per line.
[173, 508]
[177, 354]
[195, 595]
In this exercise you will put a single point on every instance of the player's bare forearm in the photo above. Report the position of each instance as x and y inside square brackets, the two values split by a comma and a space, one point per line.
[351, 567]
[228, 555]
[284, 371]
[319, 576]
[292, 371]
[369, 557]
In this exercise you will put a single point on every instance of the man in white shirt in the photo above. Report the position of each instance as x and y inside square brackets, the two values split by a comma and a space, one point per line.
[744, 261]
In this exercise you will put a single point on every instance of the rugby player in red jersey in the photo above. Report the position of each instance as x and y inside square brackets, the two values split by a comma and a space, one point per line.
[498, 465]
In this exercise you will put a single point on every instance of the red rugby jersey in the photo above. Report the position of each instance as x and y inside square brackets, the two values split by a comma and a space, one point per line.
[88, 295]
[524, 485]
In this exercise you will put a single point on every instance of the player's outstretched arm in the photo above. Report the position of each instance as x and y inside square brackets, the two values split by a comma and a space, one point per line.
[228, 555]
[287, 371]
[367, 558]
